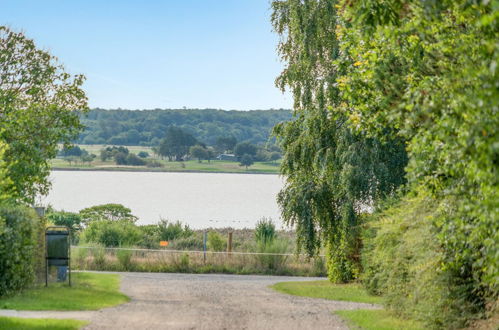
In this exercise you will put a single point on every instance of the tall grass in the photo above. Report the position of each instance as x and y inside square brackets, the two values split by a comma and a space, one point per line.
[141, 260]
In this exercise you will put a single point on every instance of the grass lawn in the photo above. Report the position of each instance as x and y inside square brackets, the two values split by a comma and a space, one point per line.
[377, 320]
[327, 290]
[365, 319]
[16, 323]
[90, 291]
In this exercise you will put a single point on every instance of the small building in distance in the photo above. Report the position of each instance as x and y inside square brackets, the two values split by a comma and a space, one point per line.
[228, 157]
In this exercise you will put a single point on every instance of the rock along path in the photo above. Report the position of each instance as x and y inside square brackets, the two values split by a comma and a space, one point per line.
[208, 301]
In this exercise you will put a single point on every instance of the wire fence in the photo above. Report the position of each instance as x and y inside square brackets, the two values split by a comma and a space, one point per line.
[165, 260]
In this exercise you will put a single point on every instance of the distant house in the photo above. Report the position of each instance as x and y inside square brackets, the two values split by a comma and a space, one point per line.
[229, 157]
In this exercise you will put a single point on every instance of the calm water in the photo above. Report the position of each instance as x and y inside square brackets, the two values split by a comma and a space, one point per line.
[198, 199]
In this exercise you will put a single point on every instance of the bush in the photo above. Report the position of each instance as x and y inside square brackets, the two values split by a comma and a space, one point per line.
[216, 242]
[272, 263]
[265, 231]
[133, 159]
[169, 231]
[111, 233]
[143, 154]
[402, 261]
[154, 164]
[125, 259]
[19, 232]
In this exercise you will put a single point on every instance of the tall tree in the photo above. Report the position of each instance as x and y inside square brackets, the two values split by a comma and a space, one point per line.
[176, 143]
[39, 108]
[333, 174]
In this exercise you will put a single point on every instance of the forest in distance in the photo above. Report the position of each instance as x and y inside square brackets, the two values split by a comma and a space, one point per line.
[148, 127]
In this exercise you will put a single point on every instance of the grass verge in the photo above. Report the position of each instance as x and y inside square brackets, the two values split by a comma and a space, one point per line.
[90, 291]
[327, 290]
[377, 320]
[16, 323]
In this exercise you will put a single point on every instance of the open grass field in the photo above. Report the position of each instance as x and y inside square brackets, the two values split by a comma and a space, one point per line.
[365, 319]
[90, 291]
[16, 323]
[216, 166]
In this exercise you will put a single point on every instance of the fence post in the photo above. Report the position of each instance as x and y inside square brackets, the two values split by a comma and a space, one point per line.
[204, 246]
[229, 243]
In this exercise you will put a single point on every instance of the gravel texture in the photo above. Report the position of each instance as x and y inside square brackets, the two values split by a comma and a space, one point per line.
[209, 301]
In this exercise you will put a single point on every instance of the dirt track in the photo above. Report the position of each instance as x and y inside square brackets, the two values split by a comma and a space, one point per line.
[212, 301]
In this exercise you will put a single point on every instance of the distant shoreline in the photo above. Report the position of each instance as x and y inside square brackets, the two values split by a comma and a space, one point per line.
[127, 169]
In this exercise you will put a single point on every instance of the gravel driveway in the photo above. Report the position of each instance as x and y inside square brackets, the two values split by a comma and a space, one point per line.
[209, 301]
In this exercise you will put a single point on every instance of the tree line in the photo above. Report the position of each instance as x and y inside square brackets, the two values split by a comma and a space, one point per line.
[147, 128]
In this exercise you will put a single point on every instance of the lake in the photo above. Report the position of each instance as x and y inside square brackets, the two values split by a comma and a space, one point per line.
[200, 200]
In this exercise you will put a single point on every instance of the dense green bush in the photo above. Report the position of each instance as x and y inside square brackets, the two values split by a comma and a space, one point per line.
[216, 242]
[402, 261]
[111, 233]
[265, 231]
[19, 232]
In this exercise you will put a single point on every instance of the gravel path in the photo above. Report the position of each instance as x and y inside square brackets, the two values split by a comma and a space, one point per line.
[208, 301]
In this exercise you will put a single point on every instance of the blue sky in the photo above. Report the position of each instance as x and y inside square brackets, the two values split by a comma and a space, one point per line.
[160, 54]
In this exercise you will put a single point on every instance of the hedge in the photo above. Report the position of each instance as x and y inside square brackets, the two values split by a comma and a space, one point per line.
[20, 253]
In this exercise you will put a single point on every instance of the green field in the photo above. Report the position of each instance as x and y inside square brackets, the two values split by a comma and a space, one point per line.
[16, 323]
[215, 166]
[90, 291]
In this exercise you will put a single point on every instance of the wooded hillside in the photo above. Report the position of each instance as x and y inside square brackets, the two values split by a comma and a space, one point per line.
[148, 127]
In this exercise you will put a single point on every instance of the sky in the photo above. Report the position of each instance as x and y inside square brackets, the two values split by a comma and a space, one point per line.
[160, 54]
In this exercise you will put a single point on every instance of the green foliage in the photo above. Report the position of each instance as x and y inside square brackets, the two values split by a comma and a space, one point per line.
[134, 160]
[265, 231]
[69, 219]
[245, 148]
[198, 152]
[40, 106]
[403, 263]
[125, 259]
[226, 144]
[112, 233]
[143, 154]
[134, 127]
[169, 231]
[272, 257]
[333, 173]
[428, 70]
[111, 152]
[19, 229]
[216, 242]
[112, 212]
[176, 143]
[246, 160]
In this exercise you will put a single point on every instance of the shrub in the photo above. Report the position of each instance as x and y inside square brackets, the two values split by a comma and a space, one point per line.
[133, 159]
[169, 231]
[216, 241]
[124, 258]
[272, 263]
[265, 231]
[112, 233]
[154, 163]
[19, 232]
[402, 261]
[143, 154]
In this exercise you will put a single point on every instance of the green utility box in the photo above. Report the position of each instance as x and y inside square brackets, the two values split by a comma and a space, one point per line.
[58, 252]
